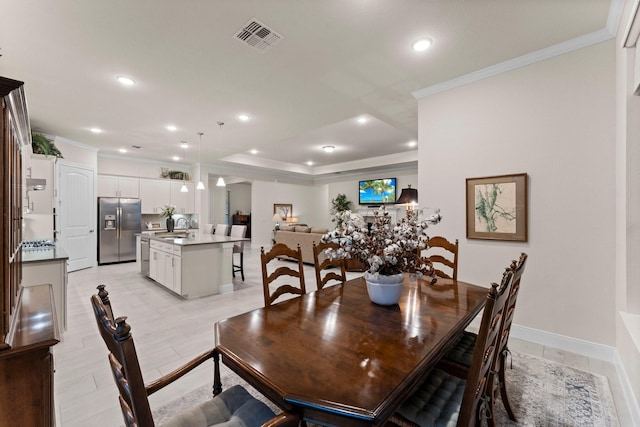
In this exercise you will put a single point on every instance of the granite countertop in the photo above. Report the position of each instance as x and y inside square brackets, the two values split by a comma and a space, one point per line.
[199, 239]
[49, 254]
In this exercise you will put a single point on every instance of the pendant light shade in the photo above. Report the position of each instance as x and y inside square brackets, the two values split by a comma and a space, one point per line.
[220, 182]
[200, 185]
[184, 188]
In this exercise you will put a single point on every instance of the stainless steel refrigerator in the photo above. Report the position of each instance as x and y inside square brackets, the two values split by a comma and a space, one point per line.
[118, 222]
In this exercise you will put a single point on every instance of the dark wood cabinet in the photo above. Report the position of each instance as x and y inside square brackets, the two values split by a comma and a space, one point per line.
[27, 321]
[240, 219]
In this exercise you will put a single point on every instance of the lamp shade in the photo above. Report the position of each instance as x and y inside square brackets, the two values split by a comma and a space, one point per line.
[276, 217]
[408, 196]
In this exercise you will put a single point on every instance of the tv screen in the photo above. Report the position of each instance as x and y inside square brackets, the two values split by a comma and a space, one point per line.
[377, 191]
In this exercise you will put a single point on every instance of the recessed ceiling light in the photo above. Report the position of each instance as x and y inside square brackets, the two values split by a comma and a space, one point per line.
[171, 128]
[176, 158]
[123, 150]
[412, 144]
[243, 117]
[362, 120]
[328, 148]
[253, 151]
[126, 81]
[96, 130]
[310, 163]
[421, 45]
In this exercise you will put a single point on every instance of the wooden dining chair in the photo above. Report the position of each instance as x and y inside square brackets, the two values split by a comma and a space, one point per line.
[281, 250]
[321, 262]
[458, 359]
[233, 407]
[238, 248]
[221, 230]
[445, 258]
[446, 399]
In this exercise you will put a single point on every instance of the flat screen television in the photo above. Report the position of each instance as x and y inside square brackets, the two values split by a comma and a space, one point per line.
[377, 191]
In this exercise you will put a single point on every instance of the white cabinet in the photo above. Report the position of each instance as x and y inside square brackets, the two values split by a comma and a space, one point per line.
[54, 272]
[154, 194]
[118, 186]
[165, 265]
[185, 203]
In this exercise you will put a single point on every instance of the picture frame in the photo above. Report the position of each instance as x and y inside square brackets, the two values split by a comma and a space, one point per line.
[497, 207]
[285, 210]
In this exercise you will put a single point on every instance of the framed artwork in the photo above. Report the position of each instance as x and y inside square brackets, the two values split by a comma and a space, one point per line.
[285, 211]
[497, 208]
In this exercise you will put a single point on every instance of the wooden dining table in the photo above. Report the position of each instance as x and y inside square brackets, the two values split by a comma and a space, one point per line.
[336, 358]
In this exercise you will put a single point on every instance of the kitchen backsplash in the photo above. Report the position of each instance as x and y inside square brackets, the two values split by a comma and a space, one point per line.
[150, 221]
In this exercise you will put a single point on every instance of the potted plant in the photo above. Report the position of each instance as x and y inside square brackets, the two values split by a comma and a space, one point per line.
[340, 204]
[387, 250]
[41, 145]
[168, 212]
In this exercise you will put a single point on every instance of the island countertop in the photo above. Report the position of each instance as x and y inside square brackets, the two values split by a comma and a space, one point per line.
[198, 239]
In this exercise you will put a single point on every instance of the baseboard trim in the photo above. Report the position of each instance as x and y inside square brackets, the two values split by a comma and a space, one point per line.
[574, 345]
[585, 348]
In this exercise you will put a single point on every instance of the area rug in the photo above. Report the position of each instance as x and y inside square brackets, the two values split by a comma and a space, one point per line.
[543, 394]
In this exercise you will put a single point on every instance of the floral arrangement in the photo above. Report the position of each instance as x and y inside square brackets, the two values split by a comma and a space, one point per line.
[385, 248]
[168, 211]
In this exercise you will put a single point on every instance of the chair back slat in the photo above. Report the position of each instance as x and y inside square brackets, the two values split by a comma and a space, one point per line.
[322, 262]
[440, 260]
[281, 250]
[484, 354]
[518, 270]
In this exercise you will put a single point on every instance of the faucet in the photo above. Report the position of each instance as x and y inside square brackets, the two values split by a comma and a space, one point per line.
[186, 223]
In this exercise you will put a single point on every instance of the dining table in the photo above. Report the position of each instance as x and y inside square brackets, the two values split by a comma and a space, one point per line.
[335, 358]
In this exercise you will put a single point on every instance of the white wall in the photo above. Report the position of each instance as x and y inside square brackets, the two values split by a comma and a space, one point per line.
[555, 121]
[140, 168]
[240, 198]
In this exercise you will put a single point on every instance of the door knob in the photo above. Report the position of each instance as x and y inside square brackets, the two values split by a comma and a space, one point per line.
[90, 231]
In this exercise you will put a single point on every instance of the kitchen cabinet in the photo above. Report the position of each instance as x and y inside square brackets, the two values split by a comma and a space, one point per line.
[48, 266]
[185, 203]
[165, 265]
[118, 186]
[154, 194]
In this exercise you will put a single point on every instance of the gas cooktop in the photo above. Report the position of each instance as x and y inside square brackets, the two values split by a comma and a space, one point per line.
[38, 245]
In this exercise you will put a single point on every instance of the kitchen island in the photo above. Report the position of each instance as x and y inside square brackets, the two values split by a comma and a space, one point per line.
[195, 266]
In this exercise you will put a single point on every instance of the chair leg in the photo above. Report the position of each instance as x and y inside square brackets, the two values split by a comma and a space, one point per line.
[242, 265]
[503, 385]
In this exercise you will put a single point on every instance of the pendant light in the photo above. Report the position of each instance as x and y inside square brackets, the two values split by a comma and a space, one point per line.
[200, 185]
[220, 182]
[184, 188]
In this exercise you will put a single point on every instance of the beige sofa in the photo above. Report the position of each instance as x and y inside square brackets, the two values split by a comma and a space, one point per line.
[292, 236]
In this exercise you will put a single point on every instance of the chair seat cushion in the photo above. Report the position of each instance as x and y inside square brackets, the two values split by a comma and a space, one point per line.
[437, 402]
[234, 407]
[462, 350]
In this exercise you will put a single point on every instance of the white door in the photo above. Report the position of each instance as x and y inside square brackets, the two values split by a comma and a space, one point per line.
[76, 215]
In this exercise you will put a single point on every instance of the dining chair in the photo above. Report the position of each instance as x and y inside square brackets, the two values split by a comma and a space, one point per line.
[233, 407]
[458, 359]
[445, 257]
[326, 263]
[208, 228]
[221, 230]
[281, 250]
[447, 399]
[238, 248]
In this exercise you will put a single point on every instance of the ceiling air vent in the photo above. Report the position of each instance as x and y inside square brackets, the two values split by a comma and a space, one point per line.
[258, 36]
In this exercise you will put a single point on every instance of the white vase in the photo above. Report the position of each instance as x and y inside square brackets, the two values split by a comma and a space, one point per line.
[384, 290]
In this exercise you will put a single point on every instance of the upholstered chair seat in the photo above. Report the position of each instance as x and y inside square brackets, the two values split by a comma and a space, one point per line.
[436, 403]
[234, 407]
[462, 350]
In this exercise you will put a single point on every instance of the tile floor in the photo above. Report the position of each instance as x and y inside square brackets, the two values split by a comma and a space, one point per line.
[169, 331]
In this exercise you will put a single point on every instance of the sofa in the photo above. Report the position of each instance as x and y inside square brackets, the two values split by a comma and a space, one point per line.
[295, 235]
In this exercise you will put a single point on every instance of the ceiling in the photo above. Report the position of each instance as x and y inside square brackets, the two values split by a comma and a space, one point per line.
[336, 61]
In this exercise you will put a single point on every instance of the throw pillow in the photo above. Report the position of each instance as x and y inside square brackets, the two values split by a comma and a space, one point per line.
[319, 230]
[300, 229]
[287, 228]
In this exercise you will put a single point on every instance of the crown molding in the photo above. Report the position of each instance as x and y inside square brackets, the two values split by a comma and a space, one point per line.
[589, 39]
